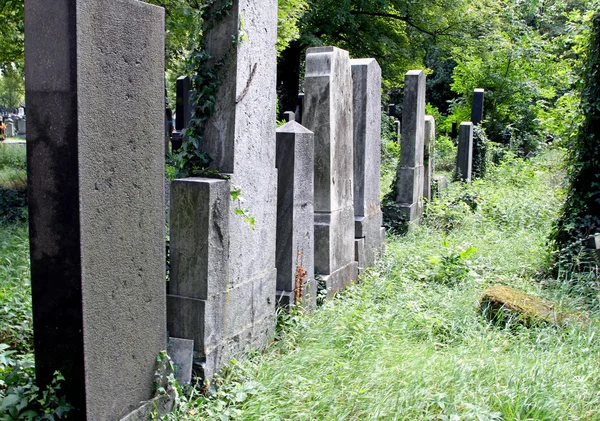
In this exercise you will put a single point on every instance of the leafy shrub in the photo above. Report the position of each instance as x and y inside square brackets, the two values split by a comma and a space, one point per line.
[452, 267]
[13, 157]
[390, 153]
[444, 154]
[21, 399]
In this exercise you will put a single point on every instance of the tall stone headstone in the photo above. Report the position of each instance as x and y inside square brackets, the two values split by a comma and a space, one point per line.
[427, 161]
[183, 104]
[328, 113]
[410, 173]
[477, 108]
[10, 128]
[295, 216]
[366, 78]
[22, 126]
[231, 309]
[465, 152]
[95, 97]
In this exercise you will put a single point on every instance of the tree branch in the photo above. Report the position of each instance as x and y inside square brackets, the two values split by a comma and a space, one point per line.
[404, 19]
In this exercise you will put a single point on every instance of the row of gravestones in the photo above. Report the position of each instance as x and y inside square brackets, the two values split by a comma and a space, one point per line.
[15, 126]
[96, 196]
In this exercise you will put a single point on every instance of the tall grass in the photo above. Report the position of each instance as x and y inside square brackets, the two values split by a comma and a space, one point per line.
[408, 342]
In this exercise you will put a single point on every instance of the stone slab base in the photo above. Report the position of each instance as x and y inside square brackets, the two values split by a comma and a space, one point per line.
[341, 278]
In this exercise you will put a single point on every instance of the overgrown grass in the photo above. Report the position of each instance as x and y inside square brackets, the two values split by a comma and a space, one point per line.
[13, 183]
[409, 343]
[16, 329]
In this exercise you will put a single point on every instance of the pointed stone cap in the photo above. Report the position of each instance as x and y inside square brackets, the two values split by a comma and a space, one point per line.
[293, 127]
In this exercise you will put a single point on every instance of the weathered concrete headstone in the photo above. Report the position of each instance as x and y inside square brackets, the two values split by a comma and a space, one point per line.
[10, 128]
[427, 161]
[366, 78]
[95, 97]
[299, 108]
[409, 177]
[295, 216]
[465, 152]
[22, 126]
[328, 113]
[231, 309]
[289, 116]
[477, 108]
[183, 105]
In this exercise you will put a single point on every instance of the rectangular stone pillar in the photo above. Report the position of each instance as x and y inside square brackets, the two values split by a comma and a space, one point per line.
[199, 284]
[465, 152]
[427, 161]
[366, 78]
[95, 153]
[477, 108]
[295, 216]
[183, 105]
[410, 173]
[328, 113]
[240, 138]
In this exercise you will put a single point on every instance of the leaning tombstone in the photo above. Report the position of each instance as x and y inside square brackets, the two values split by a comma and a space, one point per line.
[328, 113]
[96, 189]
[296, 284]
[465, 152]
[427, 161]
[223, 277]
[410, 173]
[366, 78]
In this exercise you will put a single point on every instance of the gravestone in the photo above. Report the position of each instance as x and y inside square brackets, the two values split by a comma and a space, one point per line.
[465, 152]
[392, 111]
[410, 173]
[10, 128]
[295, 216]
[22, 126]
[427, 161]
[397, 130]
[328, 113]
[477, 108]
[95, 96]
[299, 108]
[289, 116]
[223, 280]
[183, 103]
[366, 78]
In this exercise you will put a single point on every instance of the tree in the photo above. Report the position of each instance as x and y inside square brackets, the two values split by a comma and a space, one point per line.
[12, 89]
[580, 216]
[12, 30]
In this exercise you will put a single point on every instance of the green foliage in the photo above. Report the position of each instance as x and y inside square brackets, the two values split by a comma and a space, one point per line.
[390, 153]
[13, 184]
[12, 89]
[16, 323]
[444, 154]
[452, 267]
[580, 215]
[12, 36]
[289, 13]
[21, 399]
[480, 152]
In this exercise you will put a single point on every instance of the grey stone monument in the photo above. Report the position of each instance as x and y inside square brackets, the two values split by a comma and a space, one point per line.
[328, 113]
[95, 153]
[231, 310]
[10, 128]
[410, 173]
[183, 103]
[398, 130]
[427, 161]
[366, 78]
[465, 152]
[289, 116]
[477, 108]
[22, 126]
[295, 216]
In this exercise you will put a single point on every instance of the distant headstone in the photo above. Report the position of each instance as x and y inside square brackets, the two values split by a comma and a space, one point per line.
[22, 126]
[295, 216]
[299, 108]
[454, 132]
[392, 111]
[477, 108]
[366, 78]
[441, 183]
[183, 109]
[409, 179]
[398, 130]
[96, 210]
[289, 116]
[465, 152]
[10, 128]
[231, 310]
[427, 161]
[328, 113]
